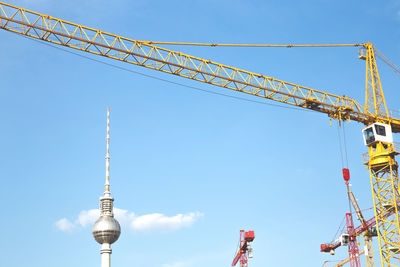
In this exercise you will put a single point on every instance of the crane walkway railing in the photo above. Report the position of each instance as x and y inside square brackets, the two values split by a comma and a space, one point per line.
[396, 149]
[394, 113]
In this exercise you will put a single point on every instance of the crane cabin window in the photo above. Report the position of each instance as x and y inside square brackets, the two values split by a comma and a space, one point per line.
[377, 132]
[380, 130]
[369, 135]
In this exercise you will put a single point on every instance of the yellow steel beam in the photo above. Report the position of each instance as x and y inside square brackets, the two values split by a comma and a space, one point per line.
[385, 192]
[374, 98]
[142, 53]
[382, 165]
[343, 262]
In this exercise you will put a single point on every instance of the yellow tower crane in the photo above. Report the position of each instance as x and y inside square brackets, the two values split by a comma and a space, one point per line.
[379, 124]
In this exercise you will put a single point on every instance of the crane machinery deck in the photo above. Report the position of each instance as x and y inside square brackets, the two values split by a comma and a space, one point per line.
[379, 124]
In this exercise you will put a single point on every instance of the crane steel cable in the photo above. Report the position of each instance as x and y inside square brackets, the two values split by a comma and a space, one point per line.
[237, 249]
[339, 229]
[250, 45]
[388, 62]
[344, 159]
[372, 75]
[347, 164]
[340, 143]
[164, 80]
[367, 209]
[345, 146]
[385, 59]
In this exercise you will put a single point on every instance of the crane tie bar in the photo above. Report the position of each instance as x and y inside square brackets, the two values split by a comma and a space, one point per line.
[251, 45]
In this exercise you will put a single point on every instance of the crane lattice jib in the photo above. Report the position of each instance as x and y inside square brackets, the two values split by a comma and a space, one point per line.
[142, 53]
[381, 163]
[359, 230]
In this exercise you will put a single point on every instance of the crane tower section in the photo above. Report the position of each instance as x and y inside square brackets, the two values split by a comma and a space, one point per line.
[380, 161]
[354, 253]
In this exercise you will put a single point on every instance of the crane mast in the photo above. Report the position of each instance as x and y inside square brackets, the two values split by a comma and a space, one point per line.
[380, 161]
[354, 253]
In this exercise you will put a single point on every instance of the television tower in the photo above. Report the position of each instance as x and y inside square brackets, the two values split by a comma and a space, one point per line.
[106, 229]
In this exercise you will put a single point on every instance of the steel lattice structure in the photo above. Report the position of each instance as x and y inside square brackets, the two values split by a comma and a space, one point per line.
[354, 253]
[382, 165]
[385, 188]
[145, 54]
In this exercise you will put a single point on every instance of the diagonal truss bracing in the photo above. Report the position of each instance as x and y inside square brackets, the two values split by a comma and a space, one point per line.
[144, 54]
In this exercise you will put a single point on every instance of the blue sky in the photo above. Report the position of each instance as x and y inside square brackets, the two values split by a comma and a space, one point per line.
[189, 169]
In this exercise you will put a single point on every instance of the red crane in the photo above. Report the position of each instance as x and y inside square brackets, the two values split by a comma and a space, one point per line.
[365, 227]
[354, 253]
[330, 247]
[245, 251]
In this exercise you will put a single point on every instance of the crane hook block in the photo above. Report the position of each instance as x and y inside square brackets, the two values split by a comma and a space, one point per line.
[346, 174]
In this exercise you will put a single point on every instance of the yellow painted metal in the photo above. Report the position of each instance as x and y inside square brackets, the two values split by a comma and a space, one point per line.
[385, 191]
[382, 166]
[381, 162]
[249, 45]
[142, 53]
[374, 99]
[343, 262]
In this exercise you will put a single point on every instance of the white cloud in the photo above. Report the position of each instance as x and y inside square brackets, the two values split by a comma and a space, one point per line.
[88, 217]
[124, 217]
[143, 223]
[158, 221]
[65, 225]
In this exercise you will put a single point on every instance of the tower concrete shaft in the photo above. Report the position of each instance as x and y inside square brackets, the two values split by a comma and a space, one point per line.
[105, 255]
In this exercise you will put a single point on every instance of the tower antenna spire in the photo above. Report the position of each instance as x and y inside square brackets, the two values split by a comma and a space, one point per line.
[107, 185]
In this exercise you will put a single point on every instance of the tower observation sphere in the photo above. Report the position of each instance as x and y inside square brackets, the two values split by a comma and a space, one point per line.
[106, 230]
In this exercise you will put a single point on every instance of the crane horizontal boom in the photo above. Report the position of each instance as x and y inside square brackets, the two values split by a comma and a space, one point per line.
[142, 53]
